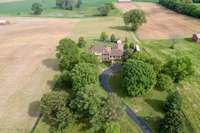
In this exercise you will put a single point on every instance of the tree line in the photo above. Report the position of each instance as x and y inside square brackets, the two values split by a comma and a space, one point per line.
[186, 7]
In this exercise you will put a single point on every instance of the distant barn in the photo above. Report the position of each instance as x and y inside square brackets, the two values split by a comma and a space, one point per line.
[124, 0]
[196, 38]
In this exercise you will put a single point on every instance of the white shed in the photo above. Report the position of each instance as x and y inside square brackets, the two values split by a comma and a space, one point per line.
[124, 0]
[4, 22]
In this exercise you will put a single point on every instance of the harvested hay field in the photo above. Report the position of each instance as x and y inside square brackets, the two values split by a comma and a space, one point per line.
[162, 23]
[27, 67]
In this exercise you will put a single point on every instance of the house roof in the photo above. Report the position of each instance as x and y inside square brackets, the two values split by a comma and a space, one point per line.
[197, 35]
[116, 52]
[98, 48]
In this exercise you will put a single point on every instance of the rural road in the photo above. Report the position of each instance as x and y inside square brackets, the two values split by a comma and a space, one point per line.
[104, 80]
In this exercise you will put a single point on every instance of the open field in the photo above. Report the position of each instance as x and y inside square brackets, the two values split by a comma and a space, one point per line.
[27, 66]
[150, 107]
[162, 23]
[23, 8]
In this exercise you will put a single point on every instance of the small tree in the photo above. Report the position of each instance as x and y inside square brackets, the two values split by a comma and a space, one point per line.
[81, 42]
[54, 107]
[104, 10]
[83, 74]
[173, 102]
[131, 45]
[164, 82]
[113, 38]
[126, 46]
[37, 8]
[138, 77]
[135, 18]
[103, 37]
[173, 122]
[178, 68]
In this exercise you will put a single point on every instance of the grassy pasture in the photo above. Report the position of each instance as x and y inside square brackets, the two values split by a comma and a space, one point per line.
[23, 8]
[150, 106]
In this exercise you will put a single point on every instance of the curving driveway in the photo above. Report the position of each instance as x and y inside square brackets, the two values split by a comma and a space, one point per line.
[104, 80]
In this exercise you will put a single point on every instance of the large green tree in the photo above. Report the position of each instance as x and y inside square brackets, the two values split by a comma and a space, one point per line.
[112, 109]
[83, 74]
[135, 18]
[112, 127]
[178, 68]
[37, 8]
[54, 107]
[67, 54]
[138, 77]
[86, 102]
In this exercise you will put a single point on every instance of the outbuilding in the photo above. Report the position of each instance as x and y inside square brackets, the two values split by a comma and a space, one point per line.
[4, 22]
[124, 0]
[196, 38]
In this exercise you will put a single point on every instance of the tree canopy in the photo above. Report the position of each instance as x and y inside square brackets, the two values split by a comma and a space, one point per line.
[135, 18]
[178, 68]
[67, 54]
[54, 107]
[138, 77]
[83, 74]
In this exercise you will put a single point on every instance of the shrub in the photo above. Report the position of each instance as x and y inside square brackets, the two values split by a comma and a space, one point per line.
[103, 10]
[138, 77]
[164, 82]
[173, 122]
[178, 68]
[103, 37]
[113, 38]
[81, 42]
[83, 74]
[37, 8]
[54, 107]
[135, 18]
[173, 102]
[112, 128]
[67, 54]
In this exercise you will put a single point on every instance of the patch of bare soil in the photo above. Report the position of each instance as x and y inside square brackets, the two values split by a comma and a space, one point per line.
[163, 23]
[27, 66]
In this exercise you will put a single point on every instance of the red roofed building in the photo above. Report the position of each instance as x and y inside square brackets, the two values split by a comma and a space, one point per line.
[196, 38]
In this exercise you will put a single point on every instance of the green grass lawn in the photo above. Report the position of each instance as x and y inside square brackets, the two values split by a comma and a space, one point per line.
[150, 106]
[23, 8]
[92, 28]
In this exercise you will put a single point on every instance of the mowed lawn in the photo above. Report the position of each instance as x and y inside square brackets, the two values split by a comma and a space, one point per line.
[23, 8]
[92, 28]
[150, 107]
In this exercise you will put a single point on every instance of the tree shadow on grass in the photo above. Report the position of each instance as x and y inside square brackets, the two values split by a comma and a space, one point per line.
[34, 109]
[153, 122]
[122, 28]
[51, 64]
[157, 105]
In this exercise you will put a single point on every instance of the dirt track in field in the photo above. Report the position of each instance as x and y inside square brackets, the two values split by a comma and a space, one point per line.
[27, 64]
[162, 23]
